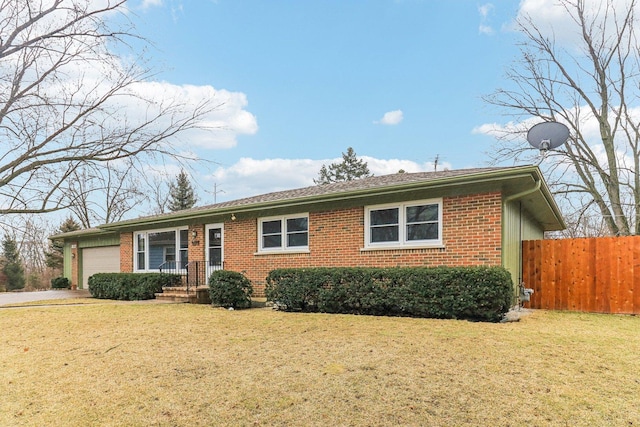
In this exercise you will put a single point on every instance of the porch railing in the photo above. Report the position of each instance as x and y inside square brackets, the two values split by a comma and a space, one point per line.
[195, 273]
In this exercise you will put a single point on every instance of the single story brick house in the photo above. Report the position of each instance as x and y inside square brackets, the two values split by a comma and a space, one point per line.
[455, 218]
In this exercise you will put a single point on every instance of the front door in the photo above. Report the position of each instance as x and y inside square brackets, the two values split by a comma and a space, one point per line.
[214, 253]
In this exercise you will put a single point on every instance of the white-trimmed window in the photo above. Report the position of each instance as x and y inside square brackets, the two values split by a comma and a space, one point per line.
[284, 233]
[156, 249]
[417, 223]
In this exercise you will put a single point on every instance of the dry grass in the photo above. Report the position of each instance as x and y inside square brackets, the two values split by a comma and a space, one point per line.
[62, 301]
[189, 365]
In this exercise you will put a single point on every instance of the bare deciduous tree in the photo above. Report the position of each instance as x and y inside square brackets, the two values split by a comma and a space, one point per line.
[591, 85]
[68, 104]
[158, 194]
[29, 233]
[102, 195]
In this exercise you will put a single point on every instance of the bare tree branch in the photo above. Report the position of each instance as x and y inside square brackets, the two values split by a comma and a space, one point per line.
[69, 105]
[593, 80]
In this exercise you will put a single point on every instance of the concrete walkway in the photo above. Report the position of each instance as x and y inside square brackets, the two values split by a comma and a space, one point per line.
[8, 298]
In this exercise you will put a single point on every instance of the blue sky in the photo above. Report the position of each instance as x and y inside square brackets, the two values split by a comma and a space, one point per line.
[400, 81]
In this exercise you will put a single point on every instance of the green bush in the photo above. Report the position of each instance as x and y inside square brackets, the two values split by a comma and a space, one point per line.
[130, 286]
[60, 283]
[296, 289]
[230, 289]
[473, 293]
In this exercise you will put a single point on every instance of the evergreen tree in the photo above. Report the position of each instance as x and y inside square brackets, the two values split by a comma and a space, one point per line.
[349, 169]
[53, 257]
[181, 194]
[11, 264]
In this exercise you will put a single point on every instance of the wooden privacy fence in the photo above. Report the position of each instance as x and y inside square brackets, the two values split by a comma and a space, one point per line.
[600, 275]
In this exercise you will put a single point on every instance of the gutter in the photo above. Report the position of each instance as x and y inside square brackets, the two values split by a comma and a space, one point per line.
[548, 197]
[536, 187]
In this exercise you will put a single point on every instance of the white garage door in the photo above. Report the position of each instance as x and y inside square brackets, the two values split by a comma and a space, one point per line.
[105, 259]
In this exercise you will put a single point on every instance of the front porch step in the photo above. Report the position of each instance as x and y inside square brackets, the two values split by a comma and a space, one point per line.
[191, 295]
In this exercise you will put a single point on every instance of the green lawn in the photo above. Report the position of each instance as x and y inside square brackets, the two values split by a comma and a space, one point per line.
[112, 364]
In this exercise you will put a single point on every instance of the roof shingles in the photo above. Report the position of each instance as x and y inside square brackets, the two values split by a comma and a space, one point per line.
[346, 186]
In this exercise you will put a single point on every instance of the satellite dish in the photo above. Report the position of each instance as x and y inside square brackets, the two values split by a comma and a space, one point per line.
[547, 135]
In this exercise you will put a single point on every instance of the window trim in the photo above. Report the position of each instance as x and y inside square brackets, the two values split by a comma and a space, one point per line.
[284, 247]
[146, 251]
[403, 242]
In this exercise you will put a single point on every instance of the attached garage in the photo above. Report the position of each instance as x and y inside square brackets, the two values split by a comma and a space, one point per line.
[105, 259]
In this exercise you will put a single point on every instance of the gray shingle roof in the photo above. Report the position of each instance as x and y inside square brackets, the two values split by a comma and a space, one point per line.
[317, 192]
[348, 186]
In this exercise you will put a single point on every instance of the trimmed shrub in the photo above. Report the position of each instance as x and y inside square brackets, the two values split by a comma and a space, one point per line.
[296, 289]
[60, 283]
[472, 293]
[230, 289]
[130, 286]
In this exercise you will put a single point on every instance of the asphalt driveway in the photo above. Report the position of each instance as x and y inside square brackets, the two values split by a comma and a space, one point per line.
[8, 298]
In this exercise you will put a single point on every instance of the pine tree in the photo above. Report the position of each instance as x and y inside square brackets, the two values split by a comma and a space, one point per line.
[54, 257]
[11, 264]
[181, 194]
[349, 169]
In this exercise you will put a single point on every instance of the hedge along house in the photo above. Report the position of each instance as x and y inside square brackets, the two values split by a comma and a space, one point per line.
[464, 217]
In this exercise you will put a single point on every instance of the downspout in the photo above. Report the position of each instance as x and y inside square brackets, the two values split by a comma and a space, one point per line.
[508, 199]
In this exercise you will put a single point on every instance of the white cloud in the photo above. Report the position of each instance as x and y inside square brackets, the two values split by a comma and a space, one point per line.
[499, 131]
[390, 166]
[146, 4]
[220, 122]
[176, 7]
[391, 118]
[486, 29]
[485, 10]
[251, 177]
[220, 125]
[554, 21]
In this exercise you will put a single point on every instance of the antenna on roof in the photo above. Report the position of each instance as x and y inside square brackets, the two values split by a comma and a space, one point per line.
[215, 192]
[546, 136]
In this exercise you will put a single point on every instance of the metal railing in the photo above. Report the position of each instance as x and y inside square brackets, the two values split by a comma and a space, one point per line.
[194, 273]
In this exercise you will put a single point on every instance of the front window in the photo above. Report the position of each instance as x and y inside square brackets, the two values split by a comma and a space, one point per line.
[184, 247]
[284, 233]
[407, 224]
[272, 234]
[140, 252]
[161, 249]
[385, 225]
[297, 232]
[422, 222]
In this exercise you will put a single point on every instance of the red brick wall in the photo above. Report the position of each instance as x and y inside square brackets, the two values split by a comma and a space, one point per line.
[471, 236]
[126, 252]
[196, 244]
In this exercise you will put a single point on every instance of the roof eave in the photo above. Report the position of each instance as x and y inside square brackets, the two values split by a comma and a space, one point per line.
[87, 233]
[493, 176]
